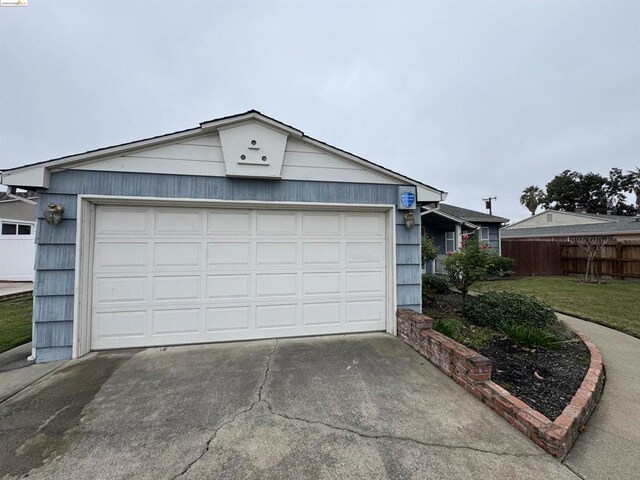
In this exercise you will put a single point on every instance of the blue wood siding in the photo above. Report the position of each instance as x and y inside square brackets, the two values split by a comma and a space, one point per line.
[55, 254]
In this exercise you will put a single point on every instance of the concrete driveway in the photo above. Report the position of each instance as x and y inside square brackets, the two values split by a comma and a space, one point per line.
[356, 406]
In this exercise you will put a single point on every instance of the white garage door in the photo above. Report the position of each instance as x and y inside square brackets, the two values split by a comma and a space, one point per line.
[165, 276]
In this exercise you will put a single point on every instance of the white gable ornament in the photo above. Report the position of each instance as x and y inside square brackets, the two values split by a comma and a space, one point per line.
[252, 150]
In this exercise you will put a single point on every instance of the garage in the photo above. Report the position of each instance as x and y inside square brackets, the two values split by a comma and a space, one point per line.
[240, 228]
[168, 275]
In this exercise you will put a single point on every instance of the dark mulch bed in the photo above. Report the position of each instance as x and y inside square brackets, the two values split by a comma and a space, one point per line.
[561, 370]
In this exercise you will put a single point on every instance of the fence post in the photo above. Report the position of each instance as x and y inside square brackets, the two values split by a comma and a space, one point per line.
[619, 262]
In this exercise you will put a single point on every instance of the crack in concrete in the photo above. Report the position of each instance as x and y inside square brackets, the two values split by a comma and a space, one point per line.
[235, 417]
[398, 438]
[260, 399]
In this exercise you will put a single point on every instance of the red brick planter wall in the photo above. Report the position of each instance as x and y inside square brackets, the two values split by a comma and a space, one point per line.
[473, 371]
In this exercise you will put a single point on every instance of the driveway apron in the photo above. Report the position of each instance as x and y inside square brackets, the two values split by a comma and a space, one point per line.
[352, 406]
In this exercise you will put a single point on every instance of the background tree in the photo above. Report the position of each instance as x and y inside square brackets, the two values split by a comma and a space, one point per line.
[532, 197]
[631, 184]
[616, 187]
[562, 192]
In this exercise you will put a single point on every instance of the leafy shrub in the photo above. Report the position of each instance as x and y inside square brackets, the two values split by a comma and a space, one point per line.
[529, 337]
[468, 264]
[428, 294]
[497, 308]
[498, 266]
[436, 283]
[448, 326]
[470, 335]
[429, 249]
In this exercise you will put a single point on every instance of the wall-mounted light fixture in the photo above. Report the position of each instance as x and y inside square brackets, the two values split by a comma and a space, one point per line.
[53, 213]
[409, 220]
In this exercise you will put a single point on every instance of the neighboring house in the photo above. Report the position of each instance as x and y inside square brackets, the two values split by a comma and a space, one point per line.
[241, 228]
[447, 224]
[17, 229]
[553, 225]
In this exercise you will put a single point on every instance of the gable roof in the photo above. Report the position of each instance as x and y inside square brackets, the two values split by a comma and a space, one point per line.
[41, 176]
[577, 215]
[471, 215]
[598, 224]
[625, 225]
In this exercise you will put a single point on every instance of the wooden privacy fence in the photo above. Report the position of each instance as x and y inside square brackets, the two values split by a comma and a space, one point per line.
[620, 260]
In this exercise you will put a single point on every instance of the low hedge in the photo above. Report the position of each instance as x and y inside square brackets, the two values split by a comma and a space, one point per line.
[498, 266]
[494, 309]
[436, 283]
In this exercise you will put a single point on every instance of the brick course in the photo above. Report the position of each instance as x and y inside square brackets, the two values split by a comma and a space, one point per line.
[473, 372]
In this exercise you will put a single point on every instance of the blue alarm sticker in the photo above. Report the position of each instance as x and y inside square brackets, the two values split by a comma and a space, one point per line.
[408, 199]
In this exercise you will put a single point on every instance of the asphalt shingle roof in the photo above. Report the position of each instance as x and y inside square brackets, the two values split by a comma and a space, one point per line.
[471, 215]
[619, 225]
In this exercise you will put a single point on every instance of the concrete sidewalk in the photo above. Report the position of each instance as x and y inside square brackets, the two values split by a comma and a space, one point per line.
[608, 448]
[14, 289]
[17, 373]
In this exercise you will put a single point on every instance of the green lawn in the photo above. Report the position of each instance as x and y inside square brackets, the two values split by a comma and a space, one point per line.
[15, 322]
[615, 303]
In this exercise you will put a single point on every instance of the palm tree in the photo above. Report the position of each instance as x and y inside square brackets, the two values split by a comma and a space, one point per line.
[532, 197]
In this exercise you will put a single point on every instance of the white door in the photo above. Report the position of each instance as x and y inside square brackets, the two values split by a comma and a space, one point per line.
[164, 275]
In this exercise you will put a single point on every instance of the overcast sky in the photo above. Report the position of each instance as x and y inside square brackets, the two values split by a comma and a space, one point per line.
[477, 98]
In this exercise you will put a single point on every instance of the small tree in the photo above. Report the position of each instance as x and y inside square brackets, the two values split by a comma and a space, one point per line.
[468, 264]
[429, 249]
[593, 246]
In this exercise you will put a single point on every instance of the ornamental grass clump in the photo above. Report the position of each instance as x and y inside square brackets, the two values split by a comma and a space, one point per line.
[468, 264]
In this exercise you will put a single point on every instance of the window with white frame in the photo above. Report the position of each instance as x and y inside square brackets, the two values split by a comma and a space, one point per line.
[484, 234]
[9, 228]
[449, 242]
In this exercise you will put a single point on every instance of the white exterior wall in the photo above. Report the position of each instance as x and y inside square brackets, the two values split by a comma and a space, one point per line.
[17, 256]
[203, 156]
[557, 219]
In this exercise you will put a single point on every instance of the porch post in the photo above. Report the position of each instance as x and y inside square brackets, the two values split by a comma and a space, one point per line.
[458, 236]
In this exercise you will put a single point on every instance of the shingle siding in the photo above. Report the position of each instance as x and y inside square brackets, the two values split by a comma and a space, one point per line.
[55, 254]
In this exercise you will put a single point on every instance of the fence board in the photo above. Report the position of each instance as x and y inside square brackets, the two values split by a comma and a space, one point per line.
[532, 257]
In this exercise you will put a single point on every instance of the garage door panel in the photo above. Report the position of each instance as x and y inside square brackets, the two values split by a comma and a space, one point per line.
[177, 321]
[224, 253]
[365, 311]
[281, 223]
[130, 323]
[321, 224]
[236, 274]
[229, 319]
[318, 314]
[364, 225]
[365, 282]
[275, 316]
[274, 254]
[276, 285]
[229, 286]
[177, 254]
[321, 283]
[117, 255]
[121, 221]
[115, 290]
[180, 287]
[365, 253]
[229, 222]
[321, 253]
[178, 221]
